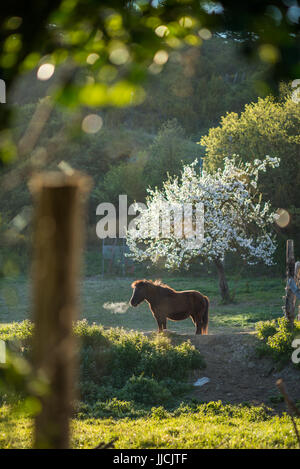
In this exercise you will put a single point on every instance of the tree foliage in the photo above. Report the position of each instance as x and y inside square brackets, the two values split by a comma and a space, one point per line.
[116, 42]
[267, 126]
[235, 218]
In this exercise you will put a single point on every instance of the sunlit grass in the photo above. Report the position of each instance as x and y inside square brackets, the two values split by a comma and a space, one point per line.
[185, 431]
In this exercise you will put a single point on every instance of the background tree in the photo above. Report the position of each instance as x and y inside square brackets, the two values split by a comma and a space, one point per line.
[101, 54]
[268, 126]
[235, 219]
[124, 178]
[167, 152]
[130, 37]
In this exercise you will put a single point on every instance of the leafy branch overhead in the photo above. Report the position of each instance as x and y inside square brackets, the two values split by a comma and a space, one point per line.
[117, 42]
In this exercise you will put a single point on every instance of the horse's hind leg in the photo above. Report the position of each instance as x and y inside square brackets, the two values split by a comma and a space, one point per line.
[197, 324]
[160, 324]
[198, 327]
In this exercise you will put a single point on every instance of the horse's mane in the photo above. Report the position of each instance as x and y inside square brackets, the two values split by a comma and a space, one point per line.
[157, 283]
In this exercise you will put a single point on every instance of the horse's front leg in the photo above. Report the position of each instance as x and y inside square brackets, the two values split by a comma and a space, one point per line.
[161, 324]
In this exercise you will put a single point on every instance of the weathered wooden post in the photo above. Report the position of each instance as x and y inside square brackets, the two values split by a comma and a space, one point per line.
[290, 299]
[59, 215]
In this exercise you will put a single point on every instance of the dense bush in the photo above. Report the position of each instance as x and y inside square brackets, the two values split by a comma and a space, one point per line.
[130, 366]
[277, 336]
[16, 331]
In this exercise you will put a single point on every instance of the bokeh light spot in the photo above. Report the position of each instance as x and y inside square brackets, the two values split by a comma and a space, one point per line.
[45, 72]
[186, 22]
[282, 218]
[269, 53]
[92, 123]
[14, 22]
[161, 57]
[205, 34]
[155, 69]
[92, 58]
[119, 55]
[162, 30]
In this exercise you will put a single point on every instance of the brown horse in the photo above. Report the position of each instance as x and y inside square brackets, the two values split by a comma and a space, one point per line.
[167, 303]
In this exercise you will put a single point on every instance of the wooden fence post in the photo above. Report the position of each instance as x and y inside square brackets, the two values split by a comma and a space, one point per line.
[58, 227]
[290, 299]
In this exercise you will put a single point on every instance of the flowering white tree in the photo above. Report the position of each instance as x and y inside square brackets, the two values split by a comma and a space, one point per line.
[235, 219]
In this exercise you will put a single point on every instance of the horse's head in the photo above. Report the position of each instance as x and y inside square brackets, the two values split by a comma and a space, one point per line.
[140, 289]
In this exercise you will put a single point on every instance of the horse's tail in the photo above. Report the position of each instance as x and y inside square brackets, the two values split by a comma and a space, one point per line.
[204, 319]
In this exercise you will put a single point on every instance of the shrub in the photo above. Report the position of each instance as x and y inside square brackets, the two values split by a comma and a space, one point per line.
[215, 408]
[145, 391]
[265, 329]
[122, 365]
[131, 366]
[112, 408]
[16, 331]
[277, 337]
[159, 413]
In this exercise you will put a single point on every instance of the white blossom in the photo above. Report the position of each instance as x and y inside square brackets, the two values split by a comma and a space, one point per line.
[235, 218]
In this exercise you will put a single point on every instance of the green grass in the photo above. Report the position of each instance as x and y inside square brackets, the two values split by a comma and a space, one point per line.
[210, 425]
[126, 397]
[105, 301]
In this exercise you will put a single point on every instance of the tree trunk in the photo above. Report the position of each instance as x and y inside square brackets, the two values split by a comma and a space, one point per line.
[224, 290]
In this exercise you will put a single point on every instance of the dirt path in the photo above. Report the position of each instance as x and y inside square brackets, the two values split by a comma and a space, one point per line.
[237, 375]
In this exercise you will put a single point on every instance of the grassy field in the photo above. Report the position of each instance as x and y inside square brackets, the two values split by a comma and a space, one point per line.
[105, 301]
[215, 427]
[186, 424]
